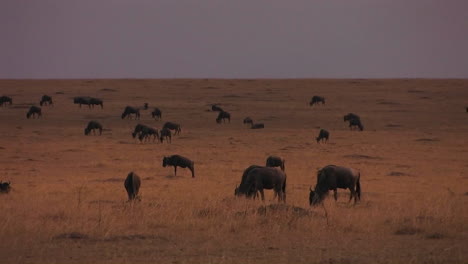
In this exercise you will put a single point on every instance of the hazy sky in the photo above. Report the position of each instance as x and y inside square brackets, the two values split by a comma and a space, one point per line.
[233, 38]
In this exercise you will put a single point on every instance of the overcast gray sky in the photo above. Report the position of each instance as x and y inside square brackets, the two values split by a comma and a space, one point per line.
[233, 38]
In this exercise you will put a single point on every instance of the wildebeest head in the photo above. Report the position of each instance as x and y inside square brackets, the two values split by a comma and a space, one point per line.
[165, 161]
[86, 131]
[5, 187]
[312, 196]
[124, 114]
[218, 120]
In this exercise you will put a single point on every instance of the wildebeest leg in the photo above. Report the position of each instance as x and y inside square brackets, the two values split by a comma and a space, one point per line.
[262, 194]
[175, 170]
[353, 193]
[192, 169]
[335, 194]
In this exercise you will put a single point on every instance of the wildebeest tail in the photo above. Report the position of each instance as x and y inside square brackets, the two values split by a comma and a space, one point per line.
[358, 187]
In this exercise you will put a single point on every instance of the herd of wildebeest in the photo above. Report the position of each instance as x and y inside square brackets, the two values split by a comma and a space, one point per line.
[254, 179]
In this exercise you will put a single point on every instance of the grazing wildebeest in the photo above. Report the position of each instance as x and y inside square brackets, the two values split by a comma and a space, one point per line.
[261, 178]
[5, 187]
[248, 120]
[354, 121]
[82, 100]
[223, 116]
[165, 133]
[257, 126]
[216, 108]
[351, 116]
[172, 126]
[131, 111]
[139, 129]
[93, 125]
[317, 99]
[275, 161]
[5, 99]
[332, 177]
[34, 111]
[46, 100]
[323, 135]
[244, 177]
[96, 101]
[179, 161]
[132, 185]
[147, 133]
[156, 113]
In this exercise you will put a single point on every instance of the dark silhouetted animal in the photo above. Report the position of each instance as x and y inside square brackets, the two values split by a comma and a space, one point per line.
[139, 129]
[257, 126]
[96, 101]
[46, 100]
[179, 161]
[131, 111]
[82, 100]
[5, 99]
[275, 161]
[354, 121]
[172, 126]
[147, 133]
[351, 116]
[156, 113]
[132, 185]
[248, 120]
[5, 187]
[216, 108]
[93, 125]
[260, 178]
[323, 135]
[34, 111]
[165, 133]
[332, 177]
[317, 99]
[223, 116]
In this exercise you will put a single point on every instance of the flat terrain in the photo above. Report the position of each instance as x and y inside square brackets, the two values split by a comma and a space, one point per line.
[68, 203]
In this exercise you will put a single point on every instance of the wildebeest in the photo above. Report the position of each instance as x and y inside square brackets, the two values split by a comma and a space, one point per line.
[257, 126]
[179, 161]
[5, 99]
[332, 177]
[172, 126]
[248, 120]
[34, 111]
[351, 116]
[147, 133]
[132, 185]
[5, 187]
[96, 101]
[243, 179]
[139, 129]
[46, 100]
[316, 99]
[82, 100]
[165, 133]
[354, 121]
[275, 161]
[216, 108]
[156, 113]
[223, 116]
[129, 110]
[93, 125]
[323, 135]
[258, 179]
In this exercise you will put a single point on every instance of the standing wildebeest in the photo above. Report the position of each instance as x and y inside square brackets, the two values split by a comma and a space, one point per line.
[131, 111]
[248, 120]
[132, 185]
[139, 129]
[96, 101]
[5, 187]
[332, 177]
[257, 126]
[93, 125]
[222, 116]
[351, 116]
[156, 113]
[5, 99]
[243, 181]
[82, 100]
[147, 133]
[317, 99]
[172, 126]
[34, 111]
[179, 161]
[216, 108]
[46, 100]
[165, 133]
[323, 135]
[275, 161]
[354, 121]
[261, 178]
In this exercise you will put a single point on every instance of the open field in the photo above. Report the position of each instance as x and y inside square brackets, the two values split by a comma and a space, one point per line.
[68, 203]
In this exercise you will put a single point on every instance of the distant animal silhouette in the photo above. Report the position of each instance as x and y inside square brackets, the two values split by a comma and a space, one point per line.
[275, 161]
[216, 108]
[248, 120]
[129, 110]
[173, 126]
[156, 113]
[354, 121]
[92, 126]
[165, 133]
[89, 101]
[147, 133]
[34, 111]
[179, 161]
[5, 99]
[132, 185]
[323, 136]
[46, 100]
[257, 126]
[5, 187]
[95, 101]
[332, 177]
[223, 116]
[317, 99]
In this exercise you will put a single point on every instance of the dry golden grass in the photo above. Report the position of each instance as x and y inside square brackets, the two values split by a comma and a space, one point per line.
[69, 205]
